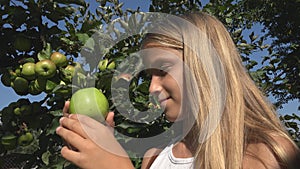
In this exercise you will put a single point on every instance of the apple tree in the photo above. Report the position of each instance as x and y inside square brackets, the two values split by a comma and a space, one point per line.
[42, 42]
[53, 48]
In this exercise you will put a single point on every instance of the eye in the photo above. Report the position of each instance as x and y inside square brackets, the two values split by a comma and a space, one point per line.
[166, 67]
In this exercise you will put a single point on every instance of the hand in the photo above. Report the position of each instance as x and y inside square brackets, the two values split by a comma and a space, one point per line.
[94, 143]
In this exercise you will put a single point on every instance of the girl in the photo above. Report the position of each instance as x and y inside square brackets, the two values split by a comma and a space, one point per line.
[199, 80]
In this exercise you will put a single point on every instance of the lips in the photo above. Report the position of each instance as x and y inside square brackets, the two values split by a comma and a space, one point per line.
[162, 101]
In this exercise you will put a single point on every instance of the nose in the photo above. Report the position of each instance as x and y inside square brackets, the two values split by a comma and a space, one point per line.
[155, 85]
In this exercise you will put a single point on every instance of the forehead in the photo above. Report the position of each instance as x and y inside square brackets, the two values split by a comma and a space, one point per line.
[156, 54]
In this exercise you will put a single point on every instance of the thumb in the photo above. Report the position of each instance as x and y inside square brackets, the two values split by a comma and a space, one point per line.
[110, 119]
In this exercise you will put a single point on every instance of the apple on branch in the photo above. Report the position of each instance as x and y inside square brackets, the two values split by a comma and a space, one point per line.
[45, 68]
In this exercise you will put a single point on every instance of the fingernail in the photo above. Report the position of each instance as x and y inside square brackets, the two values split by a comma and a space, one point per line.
[61, 119]
[58, 128]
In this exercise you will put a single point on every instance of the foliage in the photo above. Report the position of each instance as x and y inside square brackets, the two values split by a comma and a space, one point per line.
[281, 24]
[31, 30]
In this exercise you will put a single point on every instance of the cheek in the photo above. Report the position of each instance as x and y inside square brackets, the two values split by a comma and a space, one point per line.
[177, 83]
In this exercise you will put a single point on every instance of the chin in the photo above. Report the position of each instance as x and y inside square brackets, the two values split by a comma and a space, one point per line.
[172, 118]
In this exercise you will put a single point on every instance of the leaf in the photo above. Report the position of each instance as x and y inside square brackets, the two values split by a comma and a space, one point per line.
[131, 130]
[54, 125]
[26, 60]
[228, 20]
[67, 41]
[51, 84]
[83, 37]
[90, 43]
[143, 88]
[45, 53]
[288, 117]
[45, 157]
[56, 113]
[42, 56]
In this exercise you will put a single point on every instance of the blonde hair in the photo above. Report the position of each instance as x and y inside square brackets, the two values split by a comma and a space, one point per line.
[247, 117]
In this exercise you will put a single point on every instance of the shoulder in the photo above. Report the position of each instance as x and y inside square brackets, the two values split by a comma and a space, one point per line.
[261, 156]
[149, 157]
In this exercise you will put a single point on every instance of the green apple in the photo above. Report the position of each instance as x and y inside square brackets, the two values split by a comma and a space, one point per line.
[20, 85]
[78, 68]
[28, 71]
[59, 59]
[67, 73]
[9, 141]
[22, 107]
[13, 75]
[90, 102]
[17, 111]
[26, 109]
[45, 68]
[103, 64]
[111, 65]
[18, 70]
[70, 71]
[25, 139]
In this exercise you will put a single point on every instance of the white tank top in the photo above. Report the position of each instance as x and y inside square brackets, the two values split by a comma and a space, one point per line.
[166, 160]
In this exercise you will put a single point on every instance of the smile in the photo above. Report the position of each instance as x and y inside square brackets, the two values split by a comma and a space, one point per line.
[162, 101]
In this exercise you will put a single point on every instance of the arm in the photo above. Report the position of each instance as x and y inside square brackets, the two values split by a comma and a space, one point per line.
[149, 157]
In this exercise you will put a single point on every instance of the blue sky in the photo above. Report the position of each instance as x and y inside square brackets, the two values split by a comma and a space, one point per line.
[7, 94]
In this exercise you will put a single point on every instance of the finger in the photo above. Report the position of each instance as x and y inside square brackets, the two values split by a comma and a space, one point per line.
[71, 137]
[89, 126]
[73, 124]
[86, 121]
[66, 108]
[110, 119]
[70, 155]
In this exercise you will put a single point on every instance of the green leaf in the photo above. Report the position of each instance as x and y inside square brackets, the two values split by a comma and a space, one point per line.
[228, 20]
[82, 37]
[288, 117]
[131, 130]
[26, 60]
[45, 157]
[42, 55]
[45, 53]
[90, 43]
[54, 124]
[51, 84]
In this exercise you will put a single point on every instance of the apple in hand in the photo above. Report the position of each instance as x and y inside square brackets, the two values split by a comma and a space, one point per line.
[45, 68]
[59, 59]
[90, 102]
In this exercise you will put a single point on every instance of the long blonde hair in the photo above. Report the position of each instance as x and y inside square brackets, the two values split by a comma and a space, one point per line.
[247, 117]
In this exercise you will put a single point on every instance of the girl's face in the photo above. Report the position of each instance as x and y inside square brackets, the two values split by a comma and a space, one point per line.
[166, 69]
